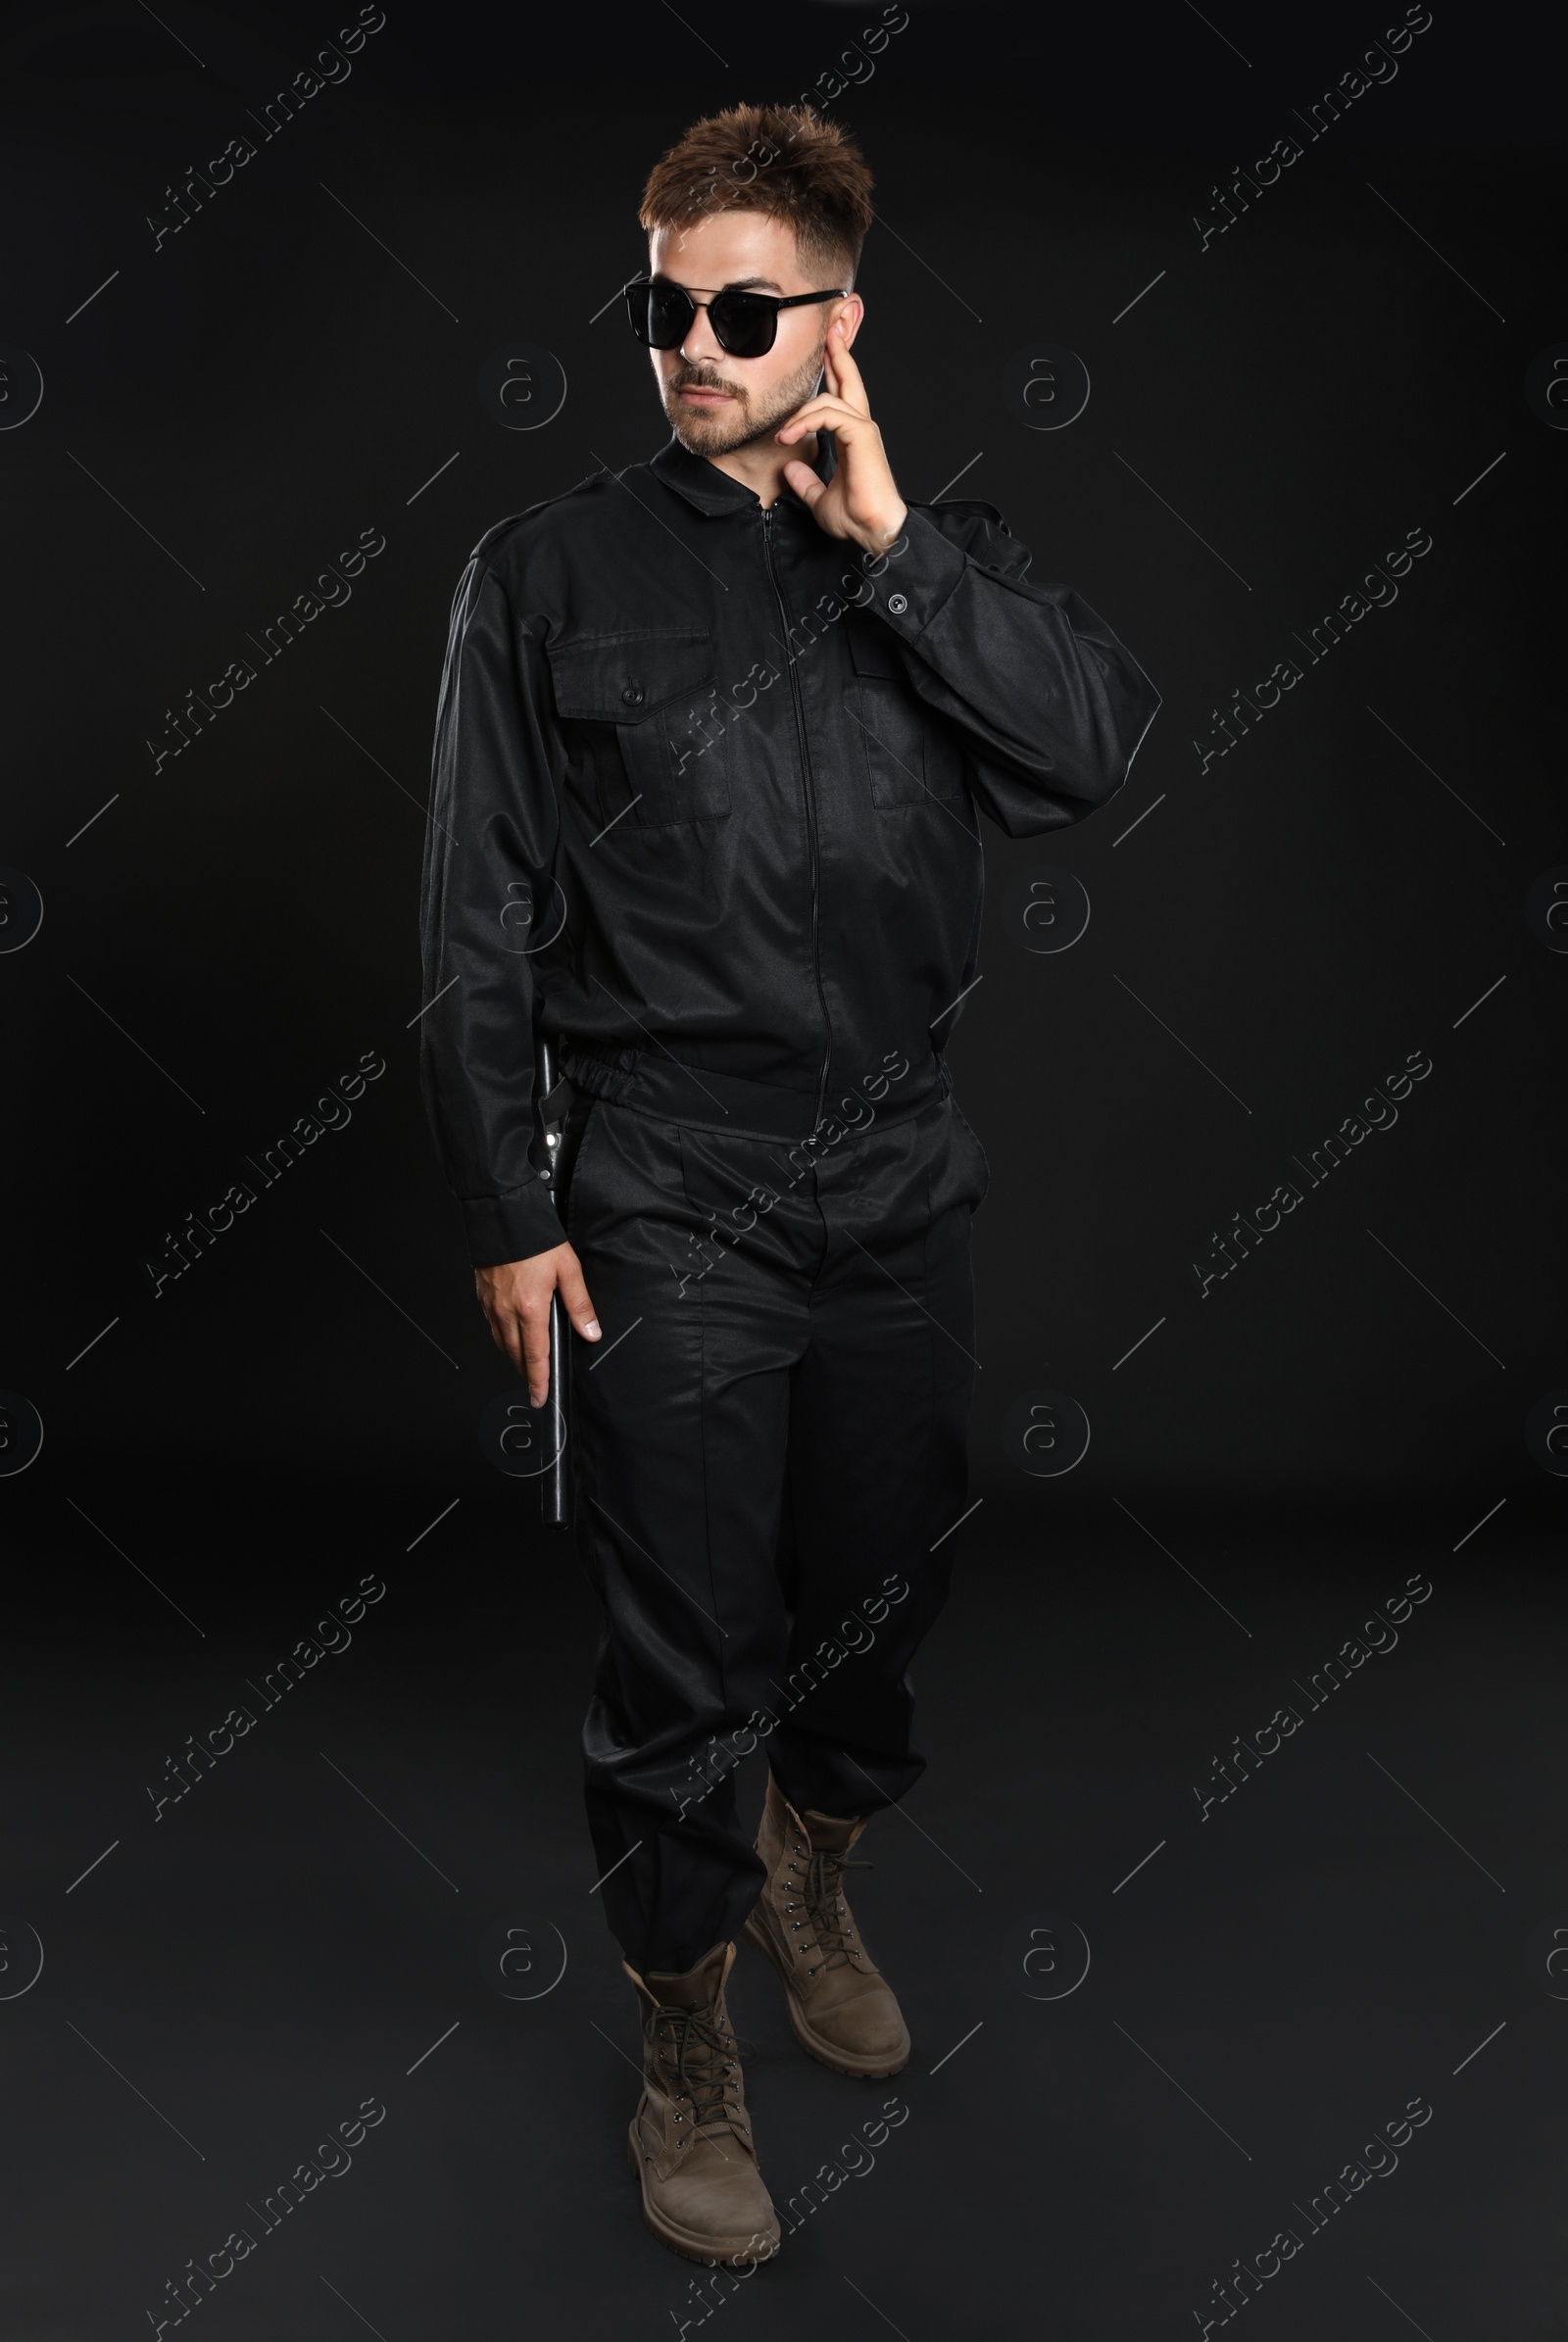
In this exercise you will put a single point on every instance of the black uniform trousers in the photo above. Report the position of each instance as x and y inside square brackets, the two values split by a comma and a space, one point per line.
[769, 1451]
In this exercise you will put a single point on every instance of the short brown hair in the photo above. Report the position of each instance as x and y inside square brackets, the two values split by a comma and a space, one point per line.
[784, 161]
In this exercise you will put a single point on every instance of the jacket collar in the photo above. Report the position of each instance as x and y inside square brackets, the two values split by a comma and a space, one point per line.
[709, 490]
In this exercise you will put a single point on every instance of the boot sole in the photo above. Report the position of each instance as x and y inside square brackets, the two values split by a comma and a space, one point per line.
[835, 2059]
[685, 2241]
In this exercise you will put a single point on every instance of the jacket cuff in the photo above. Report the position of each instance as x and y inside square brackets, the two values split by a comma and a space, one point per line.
[511, 1227]
[913, 578]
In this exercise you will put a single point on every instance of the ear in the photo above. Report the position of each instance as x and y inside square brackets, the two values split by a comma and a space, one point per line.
[848, 312]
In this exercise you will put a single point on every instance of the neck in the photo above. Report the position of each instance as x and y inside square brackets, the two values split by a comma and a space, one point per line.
[760, 464]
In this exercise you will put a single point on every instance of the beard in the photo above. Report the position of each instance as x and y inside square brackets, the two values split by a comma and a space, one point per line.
[702, 433]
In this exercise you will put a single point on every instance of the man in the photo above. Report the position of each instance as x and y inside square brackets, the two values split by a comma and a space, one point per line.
[714, 736]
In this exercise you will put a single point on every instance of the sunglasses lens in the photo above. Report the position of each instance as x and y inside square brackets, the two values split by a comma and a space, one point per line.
[661, 315]
[743, 324]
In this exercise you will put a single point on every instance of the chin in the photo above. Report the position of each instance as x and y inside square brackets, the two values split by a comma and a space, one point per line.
[710, 434]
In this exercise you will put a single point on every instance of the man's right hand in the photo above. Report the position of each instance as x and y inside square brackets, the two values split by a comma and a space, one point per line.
[515, 1299]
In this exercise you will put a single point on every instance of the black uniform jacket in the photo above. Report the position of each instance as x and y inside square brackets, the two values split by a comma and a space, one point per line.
[706, 800]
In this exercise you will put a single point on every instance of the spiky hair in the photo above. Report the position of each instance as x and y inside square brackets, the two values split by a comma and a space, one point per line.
[783, 161]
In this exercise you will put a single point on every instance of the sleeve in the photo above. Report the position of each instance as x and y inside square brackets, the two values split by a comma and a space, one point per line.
[1051, 707]
[487, 889]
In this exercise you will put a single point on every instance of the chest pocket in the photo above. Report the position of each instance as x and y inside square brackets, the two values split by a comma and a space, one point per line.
[650, 740]
[910, 757]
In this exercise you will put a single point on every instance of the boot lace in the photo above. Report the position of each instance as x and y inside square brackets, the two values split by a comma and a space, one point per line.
[826, 1912]
[706, 2066]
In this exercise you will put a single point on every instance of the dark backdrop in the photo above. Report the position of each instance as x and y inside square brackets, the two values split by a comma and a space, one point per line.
[227, 931]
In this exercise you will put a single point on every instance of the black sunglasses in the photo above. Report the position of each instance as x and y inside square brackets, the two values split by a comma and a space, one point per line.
[746, 324]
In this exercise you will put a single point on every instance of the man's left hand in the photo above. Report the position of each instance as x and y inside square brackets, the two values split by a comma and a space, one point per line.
[860, 501]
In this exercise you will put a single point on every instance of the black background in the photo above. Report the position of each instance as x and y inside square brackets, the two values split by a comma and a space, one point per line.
[1266, 419]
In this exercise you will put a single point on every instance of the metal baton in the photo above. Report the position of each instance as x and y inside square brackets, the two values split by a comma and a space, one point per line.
[551, 1112]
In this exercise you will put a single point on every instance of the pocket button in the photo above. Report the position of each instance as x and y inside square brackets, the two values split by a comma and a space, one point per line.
[632, 696]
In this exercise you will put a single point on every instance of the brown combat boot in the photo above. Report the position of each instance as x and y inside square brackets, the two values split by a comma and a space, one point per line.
[690, 2141]
[842, 2009]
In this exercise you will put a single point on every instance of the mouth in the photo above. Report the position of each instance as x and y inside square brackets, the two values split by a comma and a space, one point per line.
[699, 395]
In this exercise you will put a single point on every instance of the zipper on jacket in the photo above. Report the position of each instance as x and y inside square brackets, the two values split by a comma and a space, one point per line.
[811, 805]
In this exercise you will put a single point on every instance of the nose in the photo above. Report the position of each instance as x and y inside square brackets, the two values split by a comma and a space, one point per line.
[701, 345]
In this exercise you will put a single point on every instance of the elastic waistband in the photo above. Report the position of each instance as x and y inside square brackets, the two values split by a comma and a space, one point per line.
[651, 1084]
